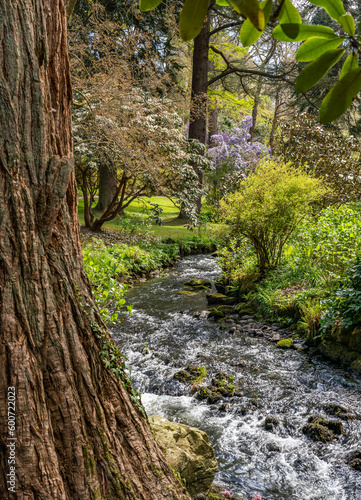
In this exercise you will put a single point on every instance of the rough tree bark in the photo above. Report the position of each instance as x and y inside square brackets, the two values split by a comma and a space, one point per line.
[79, 435]
[198, 115]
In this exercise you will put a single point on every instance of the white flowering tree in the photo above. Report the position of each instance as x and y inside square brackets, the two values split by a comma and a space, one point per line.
[140, 138]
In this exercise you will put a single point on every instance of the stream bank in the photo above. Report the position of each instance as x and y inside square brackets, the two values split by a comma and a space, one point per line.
[258, 430]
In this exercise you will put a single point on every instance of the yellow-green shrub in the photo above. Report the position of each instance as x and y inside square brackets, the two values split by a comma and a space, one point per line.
[269, 205]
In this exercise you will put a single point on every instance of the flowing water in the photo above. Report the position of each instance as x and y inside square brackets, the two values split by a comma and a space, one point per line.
[162, 336]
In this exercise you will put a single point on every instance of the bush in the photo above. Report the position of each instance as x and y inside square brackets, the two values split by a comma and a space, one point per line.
[270, 204]
[344, 308]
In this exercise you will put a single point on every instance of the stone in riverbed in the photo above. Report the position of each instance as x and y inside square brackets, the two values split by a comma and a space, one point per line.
[320, 429]
[219, 298]
[271, 423]
[187, 449]
[285, 344]
[354, 460]
[198, 284]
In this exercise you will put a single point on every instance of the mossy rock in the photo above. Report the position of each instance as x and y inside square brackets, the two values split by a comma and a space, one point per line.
[338, 353]
[190, 374]
[186, 292]
[187, 449]
[355, 339]
[216, 314]
[333, 425]
[354, 460]
[226, 309]
[219, 298]
[356, 365]
[285, 344]
[271, 423]
[318, 433]
[183, 376]
[203, 393]
[198, 284]
[340, 412]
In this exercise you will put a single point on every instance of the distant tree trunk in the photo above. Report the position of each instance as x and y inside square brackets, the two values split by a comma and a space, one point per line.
[79, 436]
[198, 115]
[107, 187]
[275, 118]
[255, 109]
[212, 125]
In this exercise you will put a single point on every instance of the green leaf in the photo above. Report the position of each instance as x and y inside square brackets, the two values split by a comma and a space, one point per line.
[334, 8]
[249, 34]
[340, 97]
[314, 47]
[348, 24]
[146, 5]
[293, 32]
[350, 64]
[289, 14]
[317, 70]
[222, 3]
[192, 18]
[250, 9]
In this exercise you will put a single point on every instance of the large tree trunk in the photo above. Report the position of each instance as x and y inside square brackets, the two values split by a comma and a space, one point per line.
[198, 115]
[107, 187]
[79, 435]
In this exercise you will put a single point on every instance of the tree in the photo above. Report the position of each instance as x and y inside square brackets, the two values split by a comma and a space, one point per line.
[81, 430]
[324, 153]
[232, 157]
[320, 48]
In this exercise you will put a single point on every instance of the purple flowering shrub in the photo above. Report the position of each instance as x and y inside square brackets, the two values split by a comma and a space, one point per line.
[232, 157]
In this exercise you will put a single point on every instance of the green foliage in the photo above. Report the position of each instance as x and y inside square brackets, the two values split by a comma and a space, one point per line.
[344, 307]
[329, 242]
[102, 270]
[270, 204]
[249, 33]
[192, 18]
[324, 153]
[315, 71]
[313, 269]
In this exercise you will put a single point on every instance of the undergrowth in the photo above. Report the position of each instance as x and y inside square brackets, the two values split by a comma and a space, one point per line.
[313, 278]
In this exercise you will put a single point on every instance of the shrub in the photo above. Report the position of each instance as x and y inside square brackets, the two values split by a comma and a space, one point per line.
[344, 307]
[270, 204]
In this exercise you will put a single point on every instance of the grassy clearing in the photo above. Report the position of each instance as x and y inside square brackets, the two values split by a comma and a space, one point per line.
[137, 217]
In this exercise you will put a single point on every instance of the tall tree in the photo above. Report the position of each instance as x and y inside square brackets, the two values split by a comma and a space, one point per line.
[80, 428]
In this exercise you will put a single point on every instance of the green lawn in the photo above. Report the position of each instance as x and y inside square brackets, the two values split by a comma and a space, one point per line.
[173, 226]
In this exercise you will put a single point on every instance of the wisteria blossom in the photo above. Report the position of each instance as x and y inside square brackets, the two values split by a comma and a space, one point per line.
[232, 157]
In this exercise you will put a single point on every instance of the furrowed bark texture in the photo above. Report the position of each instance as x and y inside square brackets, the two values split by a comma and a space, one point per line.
[79, 436]
[199, 105]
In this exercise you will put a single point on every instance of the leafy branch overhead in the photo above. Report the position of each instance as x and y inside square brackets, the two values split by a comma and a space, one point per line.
[321, 46]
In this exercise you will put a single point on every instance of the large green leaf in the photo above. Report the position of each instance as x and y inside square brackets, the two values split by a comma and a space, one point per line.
[350, 64]
[314, 47]
[192, 18]
[250, 9]
[146, 5]
[340, 97]
[293, 32]
[334, 8]
[348, 24]
[222, 3]
[289, 14]
[317, 70]
[249, 34]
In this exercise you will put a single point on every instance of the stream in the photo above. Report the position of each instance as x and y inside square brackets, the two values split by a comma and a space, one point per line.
[164, 334]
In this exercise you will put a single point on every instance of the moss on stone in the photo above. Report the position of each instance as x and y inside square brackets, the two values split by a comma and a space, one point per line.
[285, 343]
